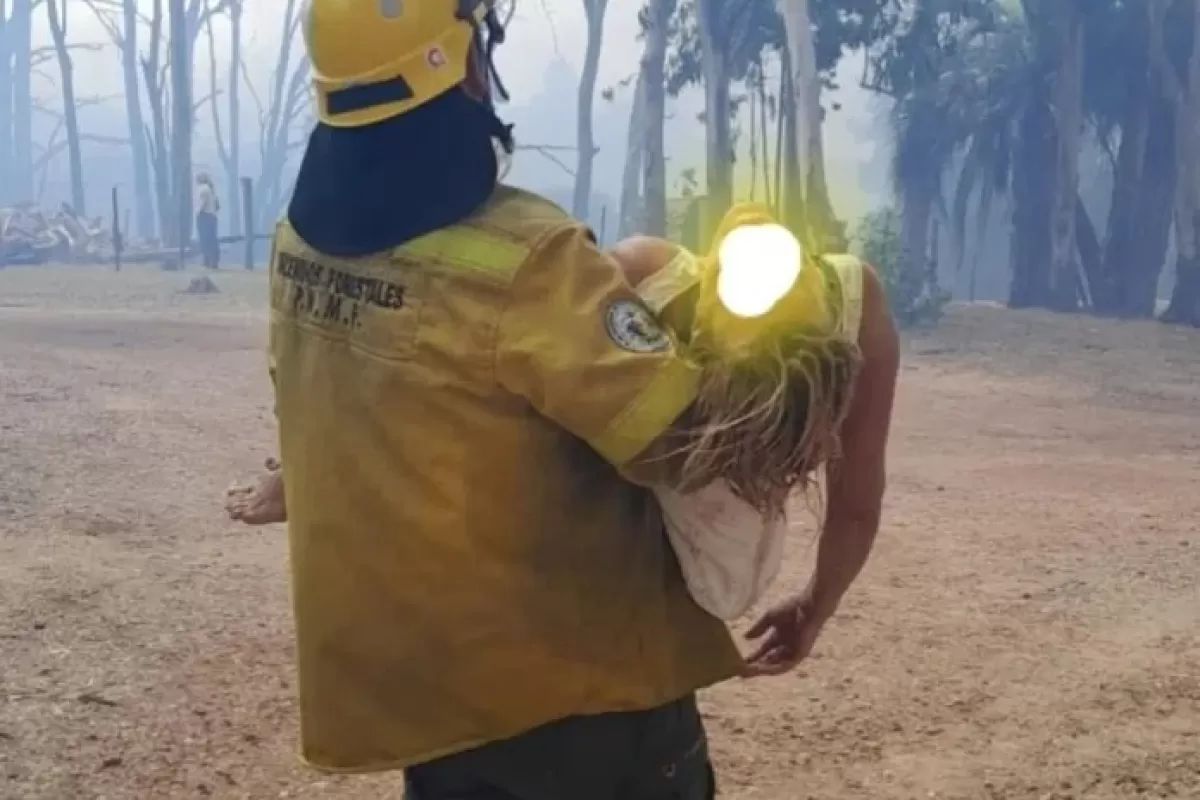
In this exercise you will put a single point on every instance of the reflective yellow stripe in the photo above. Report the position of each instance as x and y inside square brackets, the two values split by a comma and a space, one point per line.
[650, 414]
[468, 247]
[679, 275]
[850, 274]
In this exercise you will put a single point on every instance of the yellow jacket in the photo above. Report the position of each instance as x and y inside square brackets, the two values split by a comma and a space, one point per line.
[467, 560]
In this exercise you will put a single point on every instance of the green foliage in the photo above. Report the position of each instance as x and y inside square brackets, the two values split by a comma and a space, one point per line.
[752, 27]
[915, 297]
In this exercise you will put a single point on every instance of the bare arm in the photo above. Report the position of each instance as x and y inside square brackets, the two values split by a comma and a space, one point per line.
[857, 482]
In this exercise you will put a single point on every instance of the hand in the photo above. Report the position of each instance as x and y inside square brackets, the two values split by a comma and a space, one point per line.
[264, 503]
[787, 634]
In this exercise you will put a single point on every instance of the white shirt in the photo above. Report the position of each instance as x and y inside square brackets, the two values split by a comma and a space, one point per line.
[207, 200]
[728, 552]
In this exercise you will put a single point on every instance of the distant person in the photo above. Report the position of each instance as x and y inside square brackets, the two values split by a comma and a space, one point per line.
[207, 206]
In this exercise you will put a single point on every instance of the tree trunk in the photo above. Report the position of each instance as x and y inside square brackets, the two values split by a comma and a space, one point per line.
[764, 135]
[181, 122]
[19, 33]
[1120, 256]
[718, 128]
[6, 121]
[806, 99]
[1152, 233]
[1032, 205]
[1087, 242]
[157, 134]
[1184, 307]
[233, 169]
[915, 212]
[142, 198]
[635, 156]
[288, 96]
[654, 161]
[789, 180]
[1068, 123]
[57, 17]
[752, 95]
[585, 134]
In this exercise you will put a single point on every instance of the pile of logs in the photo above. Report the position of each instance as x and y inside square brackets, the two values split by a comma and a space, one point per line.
[30, 235]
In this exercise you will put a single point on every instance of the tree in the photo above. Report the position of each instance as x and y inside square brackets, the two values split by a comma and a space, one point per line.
[1011, 98]
[715, 24]
[18, 35]
[231, 158]
[182, 115]
[57, 17]
[762, 108]
[726, 47]
[1182, 88]
[632, 216]
[943, 65]
[809, 199]
[1127, 102]
[999, 97]
[120, 21]
[288, 100]
[585, 135]
[157, 133]
[166, 71]
[229, 148]
[716, 44]
[657, 29]
[6, 121]
[1064, 26]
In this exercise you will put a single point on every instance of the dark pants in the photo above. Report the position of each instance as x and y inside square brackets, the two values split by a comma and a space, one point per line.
[206, 233]
[661, 754]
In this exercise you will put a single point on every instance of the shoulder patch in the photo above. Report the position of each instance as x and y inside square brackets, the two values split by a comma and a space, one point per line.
[631, 325]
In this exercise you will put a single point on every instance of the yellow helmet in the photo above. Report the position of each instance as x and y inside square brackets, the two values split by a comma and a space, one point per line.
[377, 59]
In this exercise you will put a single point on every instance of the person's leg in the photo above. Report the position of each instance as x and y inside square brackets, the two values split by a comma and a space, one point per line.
[660, 754]
[202, 237]
[673, 761]
[206, 233]
[216, 241]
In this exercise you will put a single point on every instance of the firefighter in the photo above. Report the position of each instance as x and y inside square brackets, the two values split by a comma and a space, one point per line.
[473, 402]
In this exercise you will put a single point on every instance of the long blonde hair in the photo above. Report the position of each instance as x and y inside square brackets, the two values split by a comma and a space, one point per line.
[766, 423]
[770, 408]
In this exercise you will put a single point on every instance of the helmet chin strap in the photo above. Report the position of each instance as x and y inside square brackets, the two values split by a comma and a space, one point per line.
[495, 36]
[487, 37]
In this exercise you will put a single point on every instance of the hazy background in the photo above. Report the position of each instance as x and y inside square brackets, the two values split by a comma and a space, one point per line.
[540, 65]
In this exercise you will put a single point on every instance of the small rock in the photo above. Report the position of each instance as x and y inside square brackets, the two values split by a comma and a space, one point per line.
[97, 700]
[202, 285]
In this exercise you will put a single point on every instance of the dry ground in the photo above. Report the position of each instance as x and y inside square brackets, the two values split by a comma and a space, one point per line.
[1030, 627]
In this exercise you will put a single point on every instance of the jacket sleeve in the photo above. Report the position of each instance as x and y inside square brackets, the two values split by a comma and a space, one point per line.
[579, 343]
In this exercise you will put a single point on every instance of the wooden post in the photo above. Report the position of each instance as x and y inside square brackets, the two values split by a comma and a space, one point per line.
[248, 220]
[118, 245]
[931, 262]
[184, 226]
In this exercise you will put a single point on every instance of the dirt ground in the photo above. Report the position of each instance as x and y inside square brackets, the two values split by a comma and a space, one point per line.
[1029, 628]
